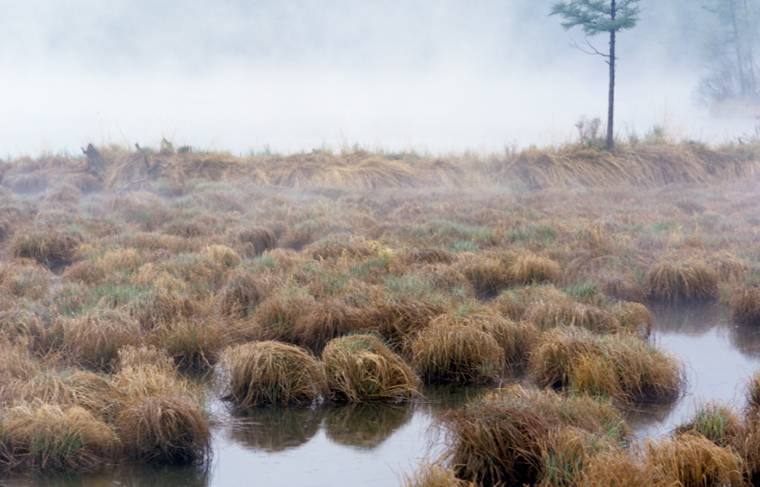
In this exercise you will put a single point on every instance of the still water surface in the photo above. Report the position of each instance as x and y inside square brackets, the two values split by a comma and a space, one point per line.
[377, 445]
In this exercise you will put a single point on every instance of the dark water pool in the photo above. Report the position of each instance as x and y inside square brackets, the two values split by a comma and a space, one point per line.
[378, 445]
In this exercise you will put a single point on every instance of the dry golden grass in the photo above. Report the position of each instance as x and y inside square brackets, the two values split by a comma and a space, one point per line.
[566, 451]
[748, 446]
[534, 269]
[753, 392]
[241, 294]
[136, 357]
[552, 314]
[94, 392]
[426, 255]
[93, 341]
[360, 368]
[745, 306]
[278, 314]
[430, 475]
[515, 303]
[516, 339]
[24, 278]
[42, 436]
[682, 282]
[193, 345]
[272, 374]
[326, 320]
[164, 430]
[715, 422]
[456, 354]
[398, 320]
[691, 460]
[49, 247]
[634, 318]
[622, 367]
[148, 380]
[487, 274]
[503, 438]
[255, 241]
[615, 468]
[222, 255]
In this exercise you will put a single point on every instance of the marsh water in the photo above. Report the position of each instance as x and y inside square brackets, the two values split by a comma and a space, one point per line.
[377, 445]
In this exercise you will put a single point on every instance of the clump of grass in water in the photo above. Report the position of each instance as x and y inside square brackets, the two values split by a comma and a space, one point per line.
[715, 422]
[272, 374]
[361, 368]
[49, 437]
[693, 460]
[682, 282]
[619, 366]
[510, 437]
[445, 353]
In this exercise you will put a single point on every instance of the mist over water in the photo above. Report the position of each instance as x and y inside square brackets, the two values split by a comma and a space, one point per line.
[433, 76]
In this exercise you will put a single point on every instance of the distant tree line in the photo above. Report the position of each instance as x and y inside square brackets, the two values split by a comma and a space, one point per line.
[732, 51]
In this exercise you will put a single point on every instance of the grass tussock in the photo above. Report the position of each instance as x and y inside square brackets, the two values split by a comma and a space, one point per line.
[50, 248]
[692, 460]
[430, 475]
[682, 282]
[617, 468]
[93, 341]
[504, 438]
[533, 269]
[715, 422]
[255, 241]
[361, 368]
[565, 313]
[635, 318]
[145, 356]
[326, 320]
[193, 345]
[272, 374]
[164, 430]
[240, 295]
[47, 437]
[516, 339]
[622, 367]
[745, 306]
[514, 303]
[487, 274]
[398, 320]
[444, 353]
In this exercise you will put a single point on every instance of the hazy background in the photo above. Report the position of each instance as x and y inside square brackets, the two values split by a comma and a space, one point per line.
[437, 75]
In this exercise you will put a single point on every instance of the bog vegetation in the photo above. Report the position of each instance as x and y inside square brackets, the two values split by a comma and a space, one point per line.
[321, 279]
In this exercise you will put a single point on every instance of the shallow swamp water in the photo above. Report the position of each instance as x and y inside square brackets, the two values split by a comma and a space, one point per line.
[375, 445]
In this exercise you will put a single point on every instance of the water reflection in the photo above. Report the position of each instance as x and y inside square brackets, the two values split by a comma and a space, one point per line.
[746, 339]
[718, 358]
[126, 476]
[692, 320]
[365, 426]
[275, 430]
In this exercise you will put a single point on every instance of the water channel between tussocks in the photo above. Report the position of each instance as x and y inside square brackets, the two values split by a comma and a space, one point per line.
[377, 445]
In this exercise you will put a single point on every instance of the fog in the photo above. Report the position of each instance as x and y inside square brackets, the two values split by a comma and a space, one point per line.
[435, 75]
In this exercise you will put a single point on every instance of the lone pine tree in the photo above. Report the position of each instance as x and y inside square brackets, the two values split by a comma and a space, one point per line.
[598, 17]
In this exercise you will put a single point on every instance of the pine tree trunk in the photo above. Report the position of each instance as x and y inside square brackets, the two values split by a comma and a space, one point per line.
[611, 100]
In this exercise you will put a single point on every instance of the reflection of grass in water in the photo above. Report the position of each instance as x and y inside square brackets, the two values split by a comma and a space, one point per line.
[693, 319]
[366, 425]
[746, 339]
[276, 429]
[441, 399]
[126, 476]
